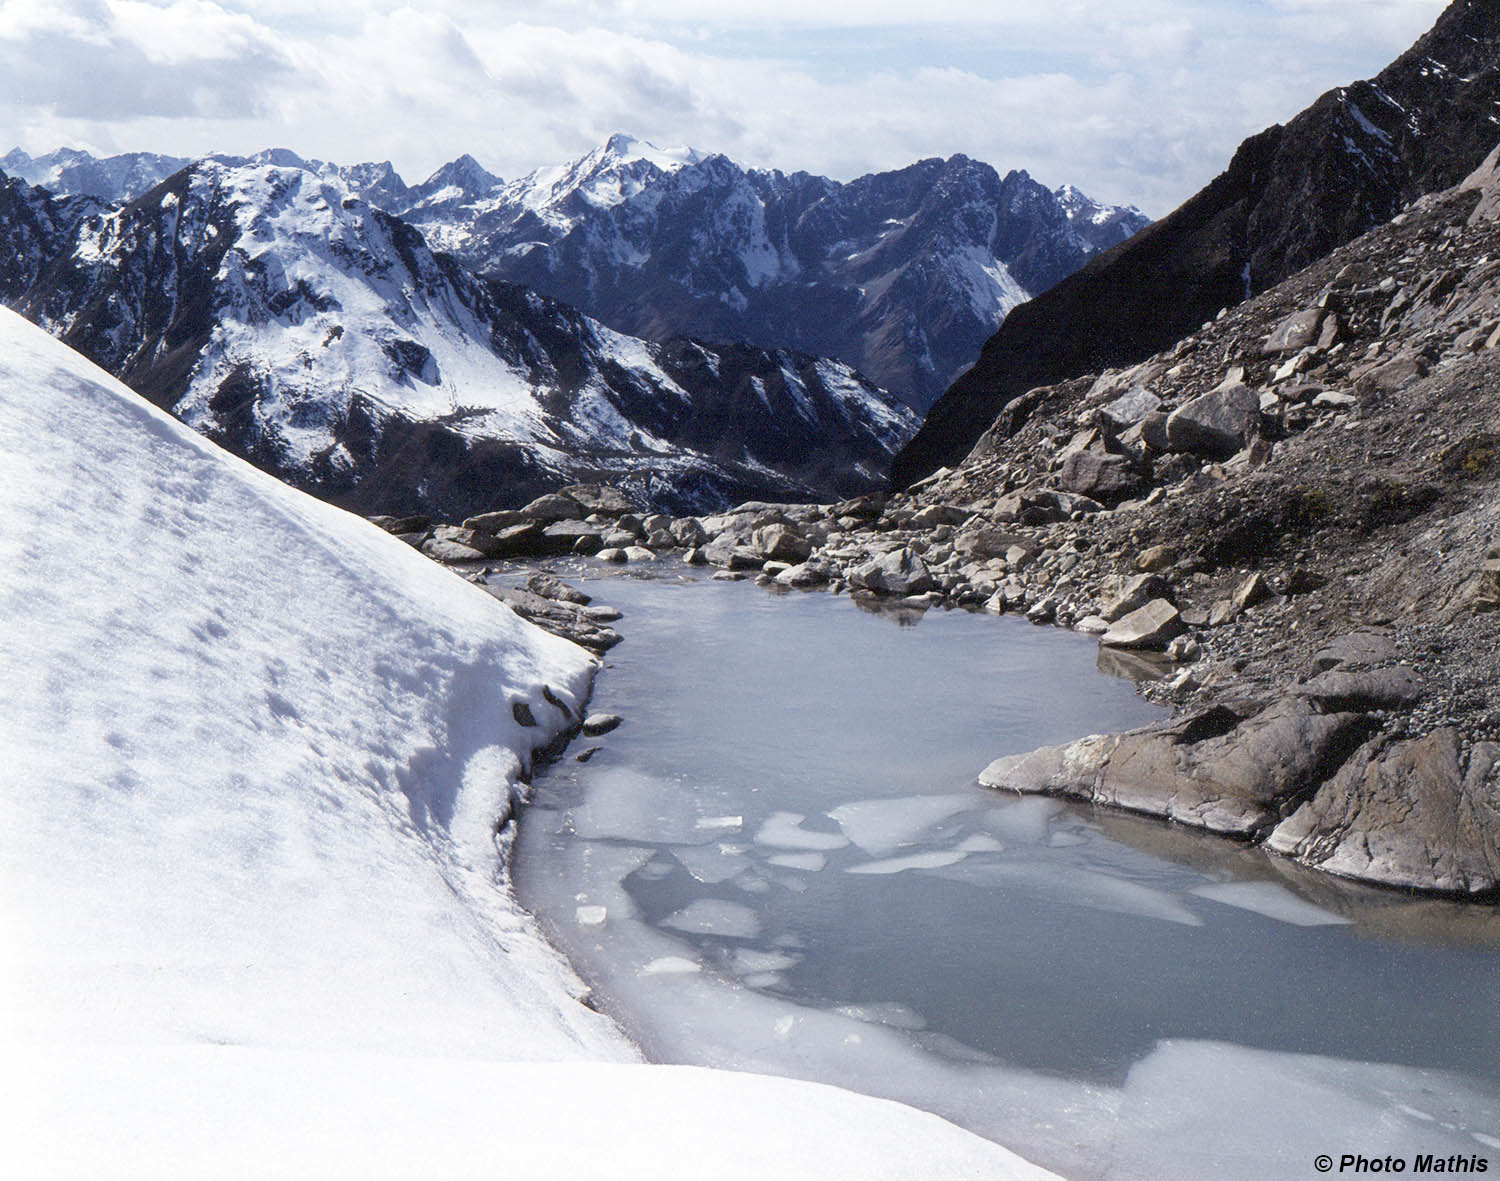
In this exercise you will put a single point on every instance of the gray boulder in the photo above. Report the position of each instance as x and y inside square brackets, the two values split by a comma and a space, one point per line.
[1099, 475]
[782, 543]
[1217, 424]
[1136, 592]
[1295, 333]
[1153, 626]
[553, 507]
[1396, 688]
[1130, 408]
[899, 572]
[598, 498]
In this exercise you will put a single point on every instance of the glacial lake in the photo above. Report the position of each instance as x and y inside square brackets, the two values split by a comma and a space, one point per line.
[781, 863]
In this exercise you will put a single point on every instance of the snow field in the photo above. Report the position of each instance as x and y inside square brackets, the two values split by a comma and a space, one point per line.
[255, 920]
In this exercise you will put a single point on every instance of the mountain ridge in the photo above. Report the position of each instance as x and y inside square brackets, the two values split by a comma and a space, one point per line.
[1290, 194]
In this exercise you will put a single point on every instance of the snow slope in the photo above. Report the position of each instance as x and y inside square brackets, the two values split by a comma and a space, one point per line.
[254, 914]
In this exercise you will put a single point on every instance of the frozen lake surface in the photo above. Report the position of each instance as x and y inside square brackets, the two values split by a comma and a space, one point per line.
[781, 863]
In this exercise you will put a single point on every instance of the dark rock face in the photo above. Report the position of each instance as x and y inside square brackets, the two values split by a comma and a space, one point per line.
[340, 380]
[901, 274]
[34, 226]
[1290, 195]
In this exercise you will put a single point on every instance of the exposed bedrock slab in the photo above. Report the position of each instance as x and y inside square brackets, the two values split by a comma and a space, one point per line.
[1214, 769]
[1410, 813]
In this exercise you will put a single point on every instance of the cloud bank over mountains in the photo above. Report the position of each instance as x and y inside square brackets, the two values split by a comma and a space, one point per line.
[1138, 104]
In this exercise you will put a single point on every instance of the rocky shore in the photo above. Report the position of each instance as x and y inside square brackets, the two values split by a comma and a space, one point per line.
[1288, 526]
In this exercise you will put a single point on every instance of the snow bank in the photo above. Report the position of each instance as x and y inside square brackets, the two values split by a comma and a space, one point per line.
[253, 911]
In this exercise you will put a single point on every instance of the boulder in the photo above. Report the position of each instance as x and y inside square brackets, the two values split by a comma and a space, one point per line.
[1255, 589]
[1216, 424]
[1295, 333]
[1129, 408]
[450, 551]
[494, 522]
[1135, 593]
[1101, 476]
[553, 507]
[939, 514]
[1405, 813]
[555, 588]
[782, 543]
[400, 525]
[688, 532]
[1397, 687]
[597, 724]
[598, 498]
[561, 537]
[984, 544]
[899, 572]
[1153, 626]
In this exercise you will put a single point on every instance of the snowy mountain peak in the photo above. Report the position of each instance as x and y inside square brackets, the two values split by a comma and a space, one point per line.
[465, 174]
[624, 148]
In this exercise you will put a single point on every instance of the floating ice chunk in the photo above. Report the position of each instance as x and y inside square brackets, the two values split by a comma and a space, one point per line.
[715, 916]
[1272, 901]
[591, 916]
[979, 843]
[936, 859]
[1075, 887]
[625, 805]
[670, 965]
[1025, 821]
[783, 830]
[747, 961]
[753, 883]
[811, 862]
[719, 823]
[762, 979]
[891, 1013]
[883, 826]
[711, 864]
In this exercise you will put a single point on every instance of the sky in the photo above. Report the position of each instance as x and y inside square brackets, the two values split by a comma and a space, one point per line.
[1140, 103]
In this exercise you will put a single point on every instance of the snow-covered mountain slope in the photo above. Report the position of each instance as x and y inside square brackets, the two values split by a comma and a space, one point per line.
[902, 274]
[276, 311]
[254, 914]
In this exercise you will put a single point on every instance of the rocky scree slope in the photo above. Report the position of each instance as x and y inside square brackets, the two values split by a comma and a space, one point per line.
[1288, 526]
[1292, 193]
[283, 316]
[901, 274]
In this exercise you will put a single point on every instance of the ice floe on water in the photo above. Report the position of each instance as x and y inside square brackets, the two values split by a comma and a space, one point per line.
[712, 864]
[932, 859]
[1271, 901]
[783, 830]
[807, 862]
[714, 916]
[882, 826]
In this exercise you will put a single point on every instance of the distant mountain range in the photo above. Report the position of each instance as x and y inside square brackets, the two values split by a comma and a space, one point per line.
[1290, 195]
[900, 274]
[275, 309]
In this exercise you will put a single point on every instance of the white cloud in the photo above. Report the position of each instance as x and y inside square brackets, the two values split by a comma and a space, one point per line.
[1141, 103]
